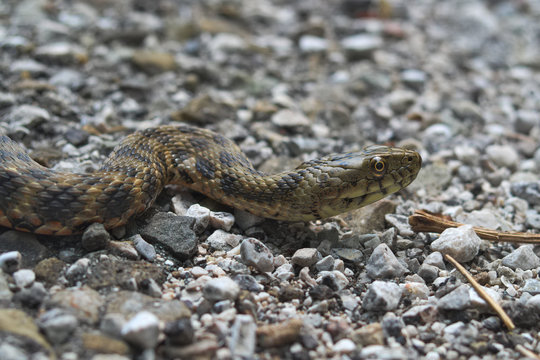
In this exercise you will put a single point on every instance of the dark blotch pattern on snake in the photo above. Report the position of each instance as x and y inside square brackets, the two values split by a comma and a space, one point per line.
[43, 201]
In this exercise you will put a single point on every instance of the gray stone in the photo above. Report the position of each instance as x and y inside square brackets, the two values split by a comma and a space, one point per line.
[325, 264]
[24, 278]
[173, 232]
[145, 250]
[382, 264]
[201, 216]
[222, 288]
[312, 44]
[420, 314]
[306, 257]
[180, 332]
[29, 66]
[461, 243]
[222, 240]
[350, 255]
[457, 299]
[436, 259]
[522, 258]
[10, 352]
[32, 296]
[503, 155]
[95, 237]
[382, 296]
[221, 220]
[529, 191]
[534, 303]
[401, 100]
[70, 79]
[428, 272]
[6, 100]
[284, 272]
[532, 286]
[532, 219]
[60, 52]
[334, 279]
[142, 330]
[58, 325]
[401, 223]
[28, 116]
[526, 120]
[414, 78]
[255, 253]
[246, 220]
[77, 270]
[10, 261]
[361, 46]
[243, 339]
[290, 119]
[112, 324]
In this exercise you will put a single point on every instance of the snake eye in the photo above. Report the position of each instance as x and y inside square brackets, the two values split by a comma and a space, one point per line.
[378, 165]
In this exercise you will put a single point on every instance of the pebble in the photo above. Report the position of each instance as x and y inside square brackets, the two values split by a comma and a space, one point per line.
[312, 44]
[284, 272]
[458, 299]
[401, 223]
[335, 280]
[77, 270]
[526, 120]
[361, 46]
[201, 216]
[243, 339]
[255, 253]
[246, 220]
[522, 258]
[461, 243]
[10, 261]
[222, 288]
[58, 325]
[344, 346]
[142, 330]
[95, 237]
[382, 296]
[222, 220]
[325, 264]
[382, 264]
[173, 232]
[179, 332]
[24, 278]
[529, 191]
[436, 259]
[306, 257]
[414, 78]
[532, 286]
[290, 119]
[222, 240]
[28, 116]
[503, 155]
[428, 272]
[145, 250]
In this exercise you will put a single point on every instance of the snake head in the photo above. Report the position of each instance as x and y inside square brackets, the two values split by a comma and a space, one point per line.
[357, 179]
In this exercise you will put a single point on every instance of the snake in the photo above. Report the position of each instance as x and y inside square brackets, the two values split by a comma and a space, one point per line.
[40, 200]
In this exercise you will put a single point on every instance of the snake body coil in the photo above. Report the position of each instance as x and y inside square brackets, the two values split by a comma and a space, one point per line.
[43, 201]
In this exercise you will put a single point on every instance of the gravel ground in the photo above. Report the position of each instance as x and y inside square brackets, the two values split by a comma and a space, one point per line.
[288, 81]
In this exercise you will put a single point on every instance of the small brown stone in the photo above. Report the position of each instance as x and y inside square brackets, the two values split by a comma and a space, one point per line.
[49, 270]
[370, 334]
[276, 335]
[104, 344]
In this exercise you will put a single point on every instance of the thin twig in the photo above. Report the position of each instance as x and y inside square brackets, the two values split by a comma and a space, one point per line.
[424, 221]
[526, 352]
[483, 294]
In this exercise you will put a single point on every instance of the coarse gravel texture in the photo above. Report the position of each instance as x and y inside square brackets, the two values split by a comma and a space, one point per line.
[288, 81]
